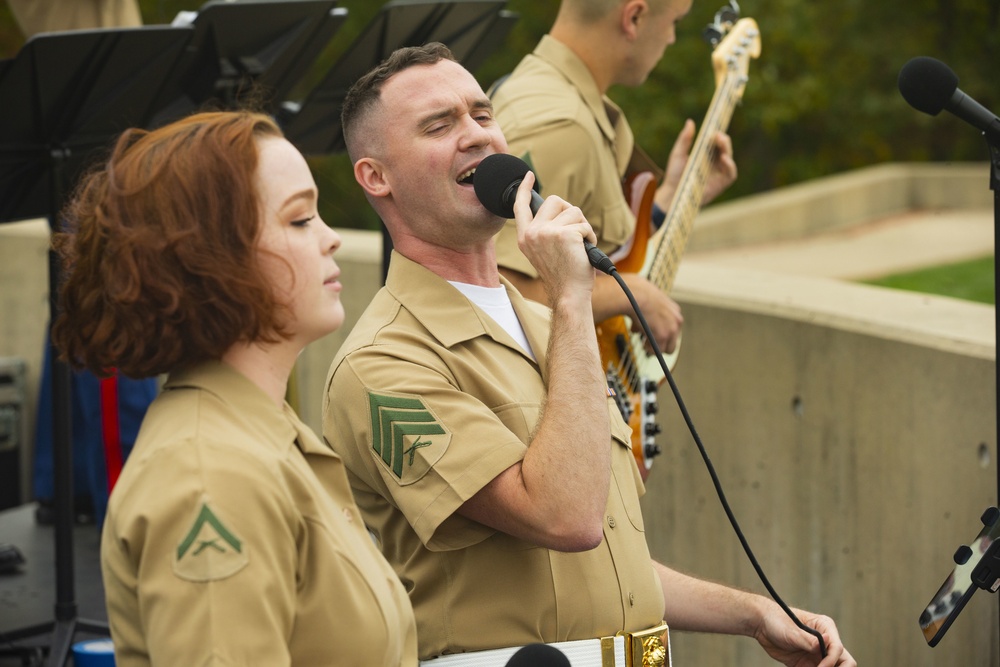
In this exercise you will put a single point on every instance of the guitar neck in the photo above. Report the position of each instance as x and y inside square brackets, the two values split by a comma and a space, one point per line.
[669, 242]
[671, 239]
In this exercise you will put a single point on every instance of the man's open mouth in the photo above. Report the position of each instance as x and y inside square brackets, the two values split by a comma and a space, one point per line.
[468, 177]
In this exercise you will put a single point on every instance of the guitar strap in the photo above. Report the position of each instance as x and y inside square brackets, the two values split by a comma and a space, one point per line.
[640, 162]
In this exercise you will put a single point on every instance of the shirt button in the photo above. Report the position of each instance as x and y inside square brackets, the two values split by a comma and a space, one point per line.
[611, 521]
[347, 515]
[631, 599]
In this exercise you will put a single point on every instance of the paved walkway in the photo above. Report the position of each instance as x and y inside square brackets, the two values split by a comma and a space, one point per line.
[880, 248]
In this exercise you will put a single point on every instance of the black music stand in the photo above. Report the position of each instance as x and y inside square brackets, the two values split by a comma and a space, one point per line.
[66, 96]
[472, 29]
[249, 47]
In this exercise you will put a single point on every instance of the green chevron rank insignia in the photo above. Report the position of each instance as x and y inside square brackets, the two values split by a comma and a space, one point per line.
[406, 437]
[209, 550]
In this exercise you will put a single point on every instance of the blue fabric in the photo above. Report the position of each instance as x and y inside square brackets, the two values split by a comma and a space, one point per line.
[89, 469]
[658, 215]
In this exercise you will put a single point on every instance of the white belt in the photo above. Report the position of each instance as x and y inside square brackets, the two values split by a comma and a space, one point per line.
[581, 653]
[620, 651]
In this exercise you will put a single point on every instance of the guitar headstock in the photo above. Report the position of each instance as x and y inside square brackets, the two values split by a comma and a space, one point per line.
[720, 25]
[739, 42]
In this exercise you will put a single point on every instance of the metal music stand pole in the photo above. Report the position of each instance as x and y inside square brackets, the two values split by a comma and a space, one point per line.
[995, 186]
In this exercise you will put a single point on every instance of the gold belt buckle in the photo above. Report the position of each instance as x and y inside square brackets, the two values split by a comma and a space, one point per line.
[648, 648]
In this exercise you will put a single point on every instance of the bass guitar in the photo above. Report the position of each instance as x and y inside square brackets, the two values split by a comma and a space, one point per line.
[634, 375]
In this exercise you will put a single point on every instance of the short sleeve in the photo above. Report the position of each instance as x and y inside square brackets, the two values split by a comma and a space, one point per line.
[416, 439]
[208, 546]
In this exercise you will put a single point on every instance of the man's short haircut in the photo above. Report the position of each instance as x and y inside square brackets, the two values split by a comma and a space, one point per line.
[592, 11]
[363, 97]
[160, 250]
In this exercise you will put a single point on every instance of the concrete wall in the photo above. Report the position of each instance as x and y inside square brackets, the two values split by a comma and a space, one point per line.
[24, 315]
[854, 432]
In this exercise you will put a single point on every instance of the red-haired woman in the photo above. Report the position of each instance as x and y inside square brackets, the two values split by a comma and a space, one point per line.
[231, 536]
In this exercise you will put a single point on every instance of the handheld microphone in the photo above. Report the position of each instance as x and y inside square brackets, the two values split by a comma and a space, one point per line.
[929, 85]
[538, 655]
[497, 178]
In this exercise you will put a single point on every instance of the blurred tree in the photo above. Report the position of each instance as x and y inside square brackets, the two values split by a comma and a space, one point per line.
[822, 98]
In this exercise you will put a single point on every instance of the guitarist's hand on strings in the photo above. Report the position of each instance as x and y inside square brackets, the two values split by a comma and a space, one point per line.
[722, 174]
[662, 313]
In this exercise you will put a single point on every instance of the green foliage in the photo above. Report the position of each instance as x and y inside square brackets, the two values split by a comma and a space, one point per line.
[821, 99]
[973, 281]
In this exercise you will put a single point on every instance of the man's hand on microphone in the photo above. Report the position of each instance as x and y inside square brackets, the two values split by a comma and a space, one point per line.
[552, 240]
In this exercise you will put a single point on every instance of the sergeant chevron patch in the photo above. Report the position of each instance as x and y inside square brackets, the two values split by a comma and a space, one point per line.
[402, 427]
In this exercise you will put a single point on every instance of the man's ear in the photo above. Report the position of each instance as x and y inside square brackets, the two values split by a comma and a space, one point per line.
[370, 175]
[632, 14]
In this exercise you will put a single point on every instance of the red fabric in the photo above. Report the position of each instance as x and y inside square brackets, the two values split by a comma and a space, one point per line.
[110, 430]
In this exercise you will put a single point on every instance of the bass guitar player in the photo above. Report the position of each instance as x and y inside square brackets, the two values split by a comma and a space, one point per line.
[556, 115]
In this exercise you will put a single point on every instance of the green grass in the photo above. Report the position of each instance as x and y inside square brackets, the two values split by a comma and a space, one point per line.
[972, 280]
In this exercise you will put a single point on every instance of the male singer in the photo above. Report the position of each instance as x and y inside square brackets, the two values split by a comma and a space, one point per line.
[482, 447]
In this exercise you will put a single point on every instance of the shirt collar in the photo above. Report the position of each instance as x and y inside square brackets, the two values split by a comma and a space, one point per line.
[448, 315]
[608, 115]
[260, 414]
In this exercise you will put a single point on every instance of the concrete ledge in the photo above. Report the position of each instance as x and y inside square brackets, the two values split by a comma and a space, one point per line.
[936, 322]
[840, 201]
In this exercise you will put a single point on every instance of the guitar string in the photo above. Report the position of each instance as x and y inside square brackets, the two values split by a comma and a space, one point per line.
[628, 364]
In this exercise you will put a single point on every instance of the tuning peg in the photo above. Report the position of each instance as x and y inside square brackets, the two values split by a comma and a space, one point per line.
[711, 34]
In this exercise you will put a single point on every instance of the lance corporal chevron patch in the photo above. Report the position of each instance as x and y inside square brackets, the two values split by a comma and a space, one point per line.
[210, 550]
[406, 437]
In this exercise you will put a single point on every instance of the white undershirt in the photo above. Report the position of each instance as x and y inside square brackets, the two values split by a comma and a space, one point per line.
[495, 303]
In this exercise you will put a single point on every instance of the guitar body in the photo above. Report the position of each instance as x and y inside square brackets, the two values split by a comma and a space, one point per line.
[635, 393]
[634, 374]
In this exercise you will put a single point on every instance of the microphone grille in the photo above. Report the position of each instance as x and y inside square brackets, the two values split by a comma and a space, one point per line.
[927, 84]
[494, 176]
[538, 655]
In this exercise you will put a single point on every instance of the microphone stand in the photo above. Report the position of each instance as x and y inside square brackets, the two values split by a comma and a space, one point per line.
[995, 186]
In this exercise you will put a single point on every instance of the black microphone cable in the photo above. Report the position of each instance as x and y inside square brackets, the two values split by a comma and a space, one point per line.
[496, 182]
[613, 272]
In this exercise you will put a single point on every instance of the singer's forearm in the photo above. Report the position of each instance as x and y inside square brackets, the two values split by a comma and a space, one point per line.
[703, 606]
[556, 496]
[574, 431]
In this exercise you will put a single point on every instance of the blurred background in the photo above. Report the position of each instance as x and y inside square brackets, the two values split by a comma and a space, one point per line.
[822, 98]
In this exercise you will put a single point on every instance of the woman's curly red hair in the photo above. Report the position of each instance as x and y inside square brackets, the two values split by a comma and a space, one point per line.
[159, 249]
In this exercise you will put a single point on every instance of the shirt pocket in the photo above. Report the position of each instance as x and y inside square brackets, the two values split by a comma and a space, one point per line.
[617, 224]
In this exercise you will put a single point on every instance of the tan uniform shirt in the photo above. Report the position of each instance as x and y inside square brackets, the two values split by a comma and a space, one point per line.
[428, 400]
[35, 16]
[577, 142]
[232, 539]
